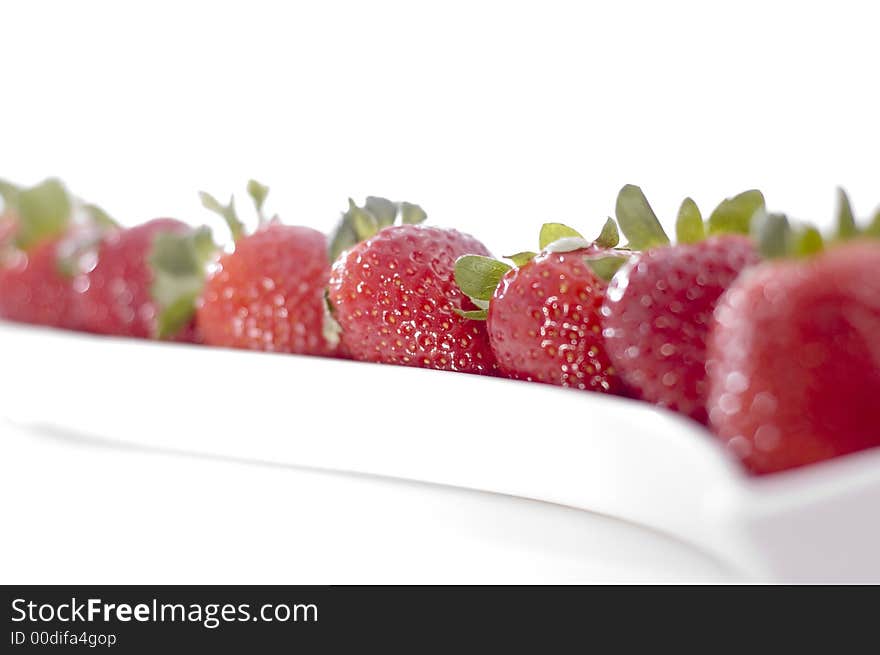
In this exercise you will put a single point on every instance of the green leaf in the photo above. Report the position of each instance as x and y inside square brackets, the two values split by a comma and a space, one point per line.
[873, 228]
[773, 234]
[99, 217]
[173, 318]
[609, 236]
[411, 214]
[330, 329]
[178, 263]
[807, 242]
[637, 220]
[478, 276]
[846, 221]
[689, 226]
[43, 212]
[226, 212]
[605, 267]
[474, 314]
[521, 258]
[382, 209]
[342, 239]
[734, 215]
[551, 232]
[258, 193]
[364, 223]
[481, 304]
[9, 193]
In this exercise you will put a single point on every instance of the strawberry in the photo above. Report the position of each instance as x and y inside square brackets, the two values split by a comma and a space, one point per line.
[393, 294]
[658, 307]
[143, 281]
[794, 360]
[34, 290]
[36, 248]
[268, 294]
[543, 312]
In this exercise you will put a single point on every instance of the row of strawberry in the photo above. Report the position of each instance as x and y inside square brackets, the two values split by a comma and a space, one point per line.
[780, 360]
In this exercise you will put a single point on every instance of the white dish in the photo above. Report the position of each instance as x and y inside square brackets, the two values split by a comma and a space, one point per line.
[607, 455]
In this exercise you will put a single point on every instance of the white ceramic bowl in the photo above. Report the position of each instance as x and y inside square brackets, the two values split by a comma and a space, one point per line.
[607, 455]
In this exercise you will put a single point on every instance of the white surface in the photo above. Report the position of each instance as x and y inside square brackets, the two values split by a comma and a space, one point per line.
[495, 115]
[77, 510]
[616, 457]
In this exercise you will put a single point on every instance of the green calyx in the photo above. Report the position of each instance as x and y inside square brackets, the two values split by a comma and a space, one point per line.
[226, 212]
[641, 227]
[361, 223]
[478, 276]
[689, 226]
[179, 263]
[330, 328]
[43, 211]
[734, 215]
[257, 192]
[637, 220]
[778, 237]
[845, 219]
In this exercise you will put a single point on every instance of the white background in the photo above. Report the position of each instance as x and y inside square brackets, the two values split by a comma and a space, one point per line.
[495, 117]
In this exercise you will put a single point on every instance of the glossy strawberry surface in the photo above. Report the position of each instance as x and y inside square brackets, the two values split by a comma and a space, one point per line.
[269, 293]
[657, 313]
[116, 282]
[544, 323]
[794, 360]
[394, 297]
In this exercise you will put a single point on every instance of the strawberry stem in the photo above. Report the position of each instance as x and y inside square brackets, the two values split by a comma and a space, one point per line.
[637, 220]
[846, 221]
[258, 193]
[226, 212]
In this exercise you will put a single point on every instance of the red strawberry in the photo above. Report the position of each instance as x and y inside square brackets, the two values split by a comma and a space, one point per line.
[34, 290]
[543, 316]
[268, 294]
[658, 308]
[794, 359]
[394, 296]
[35, 283]
[143, 281]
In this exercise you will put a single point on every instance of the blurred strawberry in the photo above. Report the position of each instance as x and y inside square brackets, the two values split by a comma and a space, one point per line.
[543, 312]
[659, 305]
[394, 296]
[794, 357]
[268, 294]
[37, 244]
[143, 281]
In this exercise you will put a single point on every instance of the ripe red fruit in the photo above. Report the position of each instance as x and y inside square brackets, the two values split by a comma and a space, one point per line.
[794, 360]
[657, 313]
[394, 297]
[33, 289]
[117, 287]
[37, 243]
[543, 317]
[544, 324]
[659, 305]
[269, 293]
